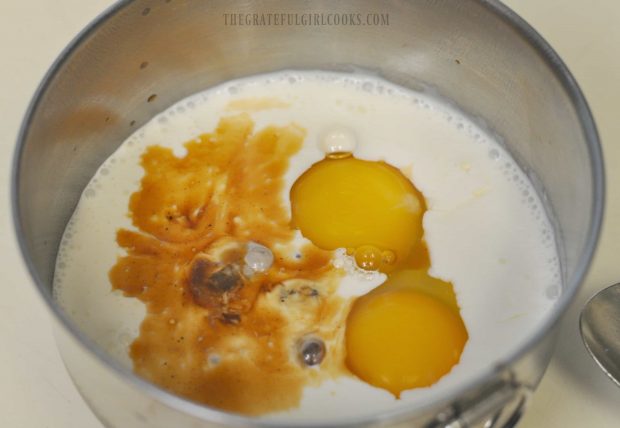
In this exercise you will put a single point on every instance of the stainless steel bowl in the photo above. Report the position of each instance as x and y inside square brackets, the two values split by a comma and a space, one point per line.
[478, 54]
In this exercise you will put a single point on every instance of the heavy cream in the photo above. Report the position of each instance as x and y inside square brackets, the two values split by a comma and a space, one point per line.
[486, 228]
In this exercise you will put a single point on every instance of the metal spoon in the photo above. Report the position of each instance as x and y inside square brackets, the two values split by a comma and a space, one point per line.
[600, 330]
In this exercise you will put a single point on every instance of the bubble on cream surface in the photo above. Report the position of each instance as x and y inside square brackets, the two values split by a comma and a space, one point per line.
[258, 258]
[337, 139]
[486, 228]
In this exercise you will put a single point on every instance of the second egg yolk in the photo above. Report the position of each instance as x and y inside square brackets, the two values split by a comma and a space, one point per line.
[368, 207]
[400, 339]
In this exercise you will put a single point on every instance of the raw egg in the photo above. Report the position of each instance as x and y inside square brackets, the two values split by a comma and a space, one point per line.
[408, 332]
[403, 338]
[369, 207]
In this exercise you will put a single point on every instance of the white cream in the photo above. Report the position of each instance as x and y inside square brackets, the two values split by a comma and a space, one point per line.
[486, 228]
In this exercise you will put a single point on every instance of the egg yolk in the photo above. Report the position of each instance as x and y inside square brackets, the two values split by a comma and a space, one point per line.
[368, 207]
[402, 338]
[408, 332]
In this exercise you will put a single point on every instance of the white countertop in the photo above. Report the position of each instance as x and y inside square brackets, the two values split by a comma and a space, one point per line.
[35, 390]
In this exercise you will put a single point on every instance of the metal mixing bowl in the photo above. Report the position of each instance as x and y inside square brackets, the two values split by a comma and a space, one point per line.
[478, 54]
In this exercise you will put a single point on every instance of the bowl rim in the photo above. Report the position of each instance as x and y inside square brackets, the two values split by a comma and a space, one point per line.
[202, 412]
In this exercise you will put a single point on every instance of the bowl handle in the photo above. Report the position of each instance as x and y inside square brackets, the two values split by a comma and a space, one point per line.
[499, 404]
